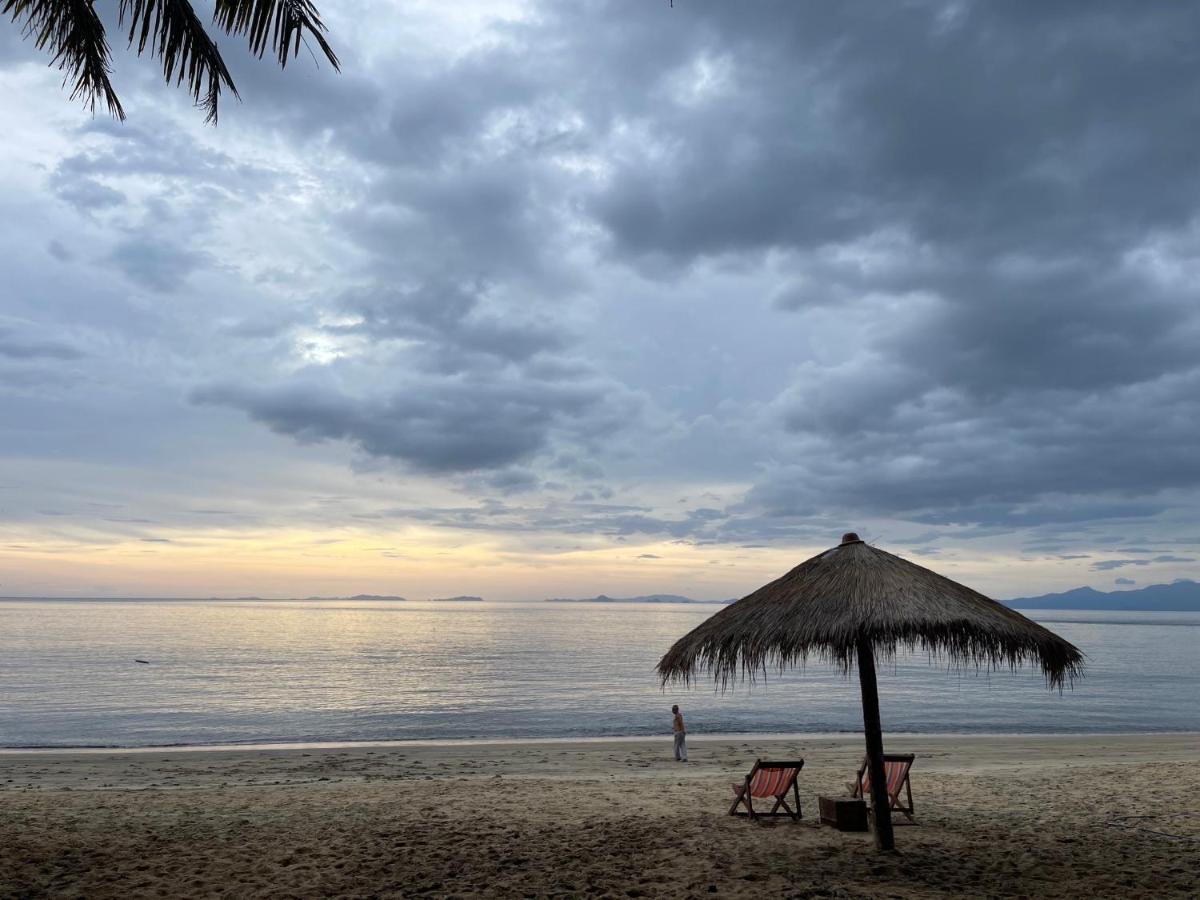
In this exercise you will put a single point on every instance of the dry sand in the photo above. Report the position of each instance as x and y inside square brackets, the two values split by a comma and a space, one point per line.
[1003, 816]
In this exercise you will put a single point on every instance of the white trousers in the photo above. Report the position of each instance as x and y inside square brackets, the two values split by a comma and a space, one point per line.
[681, 746]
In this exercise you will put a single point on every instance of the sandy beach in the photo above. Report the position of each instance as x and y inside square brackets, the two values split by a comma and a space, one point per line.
[997, 816]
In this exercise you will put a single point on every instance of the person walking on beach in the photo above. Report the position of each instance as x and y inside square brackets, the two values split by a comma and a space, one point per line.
[680, 732]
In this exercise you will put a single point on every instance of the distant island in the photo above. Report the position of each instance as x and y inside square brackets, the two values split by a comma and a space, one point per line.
[648, 598]
[386, 597]
[456, 599]
[1180, 596]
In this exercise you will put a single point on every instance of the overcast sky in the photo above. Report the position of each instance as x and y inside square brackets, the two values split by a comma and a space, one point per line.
[542, 299]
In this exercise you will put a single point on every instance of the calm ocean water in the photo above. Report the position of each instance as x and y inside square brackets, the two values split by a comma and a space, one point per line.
[278, 671]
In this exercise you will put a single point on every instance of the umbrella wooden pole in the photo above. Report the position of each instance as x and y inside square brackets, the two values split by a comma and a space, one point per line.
[881, 806]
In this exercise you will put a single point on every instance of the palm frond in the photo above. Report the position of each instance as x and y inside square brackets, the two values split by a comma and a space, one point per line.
[279, 24]
[71, 30]
[74, 34]
[175, 35]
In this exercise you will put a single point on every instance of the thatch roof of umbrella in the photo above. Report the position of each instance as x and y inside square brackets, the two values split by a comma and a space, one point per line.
[823, 606]
[850, 604]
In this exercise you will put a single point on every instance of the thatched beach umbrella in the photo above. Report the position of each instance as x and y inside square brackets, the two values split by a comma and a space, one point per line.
[850, 604]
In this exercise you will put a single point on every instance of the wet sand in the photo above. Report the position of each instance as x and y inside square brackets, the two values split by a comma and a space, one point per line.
[997, 816]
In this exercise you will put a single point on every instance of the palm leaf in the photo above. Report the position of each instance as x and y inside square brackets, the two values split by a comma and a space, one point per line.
[174, 34]
[73, 32]
[278, 24]
[170, 31]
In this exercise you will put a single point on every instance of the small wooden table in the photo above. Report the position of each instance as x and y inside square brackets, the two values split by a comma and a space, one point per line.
[843, 813]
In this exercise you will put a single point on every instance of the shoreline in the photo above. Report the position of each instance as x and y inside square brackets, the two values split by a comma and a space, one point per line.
[938, 750]
[725, 737]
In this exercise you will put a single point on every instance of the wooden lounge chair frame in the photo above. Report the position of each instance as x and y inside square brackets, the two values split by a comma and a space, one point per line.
[745, 798]
[905, 784]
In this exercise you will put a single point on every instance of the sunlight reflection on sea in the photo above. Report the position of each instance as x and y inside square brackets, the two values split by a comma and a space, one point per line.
[257, 671]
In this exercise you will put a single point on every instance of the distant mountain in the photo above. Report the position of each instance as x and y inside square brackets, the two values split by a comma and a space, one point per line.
[648, 598]
[1181, 596]
[455, 599]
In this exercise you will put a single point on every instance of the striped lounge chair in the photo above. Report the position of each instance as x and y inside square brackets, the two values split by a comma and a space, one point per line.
[768, 779]
[896, 766]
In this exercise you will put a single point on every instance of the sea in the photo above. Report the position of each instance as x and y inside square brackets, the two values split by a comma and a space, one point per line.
[312, 671]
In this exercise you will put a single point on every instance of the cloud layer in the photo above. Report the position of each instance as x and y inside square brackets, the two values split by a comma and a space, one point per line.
[635, 273]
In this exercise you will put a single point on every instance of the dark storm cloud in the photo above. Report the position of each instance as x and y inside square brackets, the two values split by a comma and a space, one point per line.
[1017, 181]
[25, 344]
[947, 455]
[976, 220]
[546, 513]
[157, 264]
[461, 229]
[1007, 177]
[1106, 565]
[476, 217]
[441, 111]
[86, 193]
[980, 124]
[1109, 564]
[513, 481]
[440, 425]
[452, 319]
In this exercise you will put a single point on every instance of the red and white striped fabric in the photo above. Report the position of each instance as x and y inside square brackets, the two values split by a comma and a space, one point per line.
[771, 782]
[895, 772]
